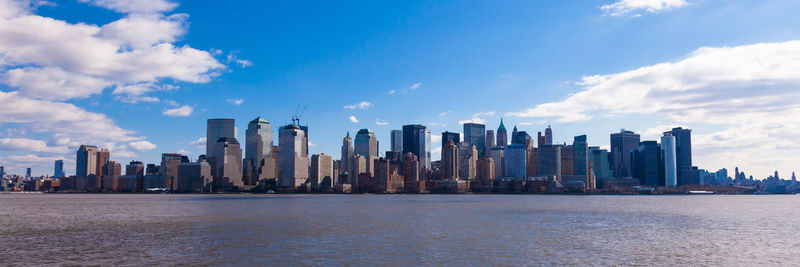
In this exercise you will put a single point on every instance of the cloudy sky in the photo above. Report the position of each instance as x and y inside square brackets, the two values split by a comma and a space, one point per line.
[140, 77]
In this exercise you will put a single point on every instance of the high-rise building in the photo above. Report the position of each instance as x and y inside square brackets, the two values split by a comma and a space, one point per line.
[580, 149]
[450, 136]
[548, 135]
[28, 173]
[410, 169]
[226, 164]
[497, 155]
[111, 172]
[567, 160]
[194, 177]
[86, 161]
[321, 175]
[468, 160]
[345, 164]
[683, 155]
[58, 171]
[530, 169]
[216, 129]
[417, 141]
[515, 161]
[134, 168]
[601, 167]
[397, 140]
[521, 138]
[450, 161]
[622, 144]
[359, 168]
[548, 161]
[366, 144]
[258, 152]
[670, 161]
[489, 142]
[502, 135]
[475, 134]
[292, 158]
[486, 169]
[540, 139]
[169, 168]
[647, 164]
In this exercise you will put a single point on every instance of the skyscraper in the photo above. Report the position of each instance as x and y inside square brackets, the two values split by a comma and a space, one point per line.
[397, 140]
[28, 173]
[521, 138]
[670, 162]
[515, 160]
[169, 168]
[548, 161]
[540, 139]
[489, 142]
[292, 157]
[86, 161]
[502, 135]
[468, 160]
[647, 164]
[581, 151]
[226, 164]
[416, 140]
[134, 168]
[497, 154]
[683, 154]
[194, 177]
[321, 175]
[548, 135]
[258, 151]
[58, 171]
[347, 154]
[475, 134]
[366, 144]
[600, 164]
[216, 129]
[450, 136]
[622, 144]
[450, 161]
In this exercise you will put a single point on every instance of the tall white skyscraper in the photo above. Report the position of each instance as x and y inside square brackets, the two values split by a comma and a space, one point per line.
[216, 129]
[258, 153]
[670, 161]
[292, 157]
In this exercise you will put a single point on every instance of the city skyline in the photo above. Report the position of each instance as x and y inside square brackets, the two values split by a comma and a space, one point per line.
[521, 64]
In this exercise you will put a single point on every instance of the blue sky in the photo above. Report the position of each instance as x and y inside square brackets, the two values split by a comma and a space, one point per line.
[157, 69]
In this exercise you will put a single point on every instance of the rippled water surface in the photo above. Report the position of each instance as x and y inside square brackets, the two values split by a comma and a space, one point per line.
[38, 229]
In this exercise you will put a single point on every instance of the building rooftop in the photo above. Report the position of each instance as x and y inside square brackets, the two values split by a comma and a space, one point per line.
[259, 120]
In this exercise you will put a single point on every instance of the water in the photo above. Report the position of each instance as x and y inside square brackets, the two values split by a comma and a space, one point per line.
[87, 229]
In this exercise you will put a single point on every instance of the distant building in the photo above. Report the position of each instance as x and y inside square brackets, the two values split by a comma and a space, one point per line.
[468, 161]
[497, 155]
[515, 161]
[28, 173]
[258, 152]
[548, 135]
[601, 167]
[366, 144]
[670, 162]
[169, 168]
[410, 171]
[502, 135]
[226, 164]
[486, 169]
[548, 161]
[521, 138]
[397, 140]
[489, 143]
[622, 144]
[321, 175]
[111, 172]
[450, 161]
[58, 170]
[541, 140]
[216, 129]
[194, 177]
[580, 149]
[475, 134]
[292, 160]
[417, 141]
[567, 160]
[347, 154]
[450, 136]
[134, 168]
[647, 164]
[683, 155]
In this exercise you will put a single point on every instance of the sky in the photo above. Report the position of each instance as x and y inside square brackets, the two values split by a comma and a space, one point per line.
[140, 77]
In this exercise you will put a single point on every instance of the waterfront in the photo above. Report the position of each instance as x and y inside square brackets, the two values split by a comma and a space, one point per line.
[94, 229]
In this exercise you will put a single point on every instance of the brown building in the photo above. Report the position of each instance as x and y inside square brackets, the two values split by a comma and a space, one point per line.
[450, 161]
[111, 172]
[486, 169]
[567, 160]
[134, 168]
[530, 167]
[389, 180]
[169, 168]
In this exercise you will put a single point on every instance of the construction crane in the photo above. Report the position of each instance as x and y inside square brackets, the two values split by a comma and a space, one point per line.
[296, 116]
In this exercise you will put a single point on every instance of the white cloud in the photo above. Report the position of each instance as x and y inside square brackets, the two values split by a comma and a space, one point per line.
[310, 144]
[235, 101]
[360, 105]
[241, 62]
[353, 119]
[476, 118]
[182, 111]
[141, 145]
[445, 113]
[435, 138]
[527, 123]
[25, 144]
[391, 92]
[134, 6]
[639, 7]
[381, 123]
[747, 93]
[200, 142]
[415, 86]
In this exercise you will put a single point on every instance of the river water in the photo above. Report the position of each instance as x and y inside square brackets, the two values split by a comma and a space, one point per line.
[87, 229]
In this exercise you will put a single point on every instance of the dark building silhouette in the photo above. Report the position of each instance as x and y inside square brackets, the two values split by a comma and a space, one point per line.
[683, 155]
[648, 166]
[622, 144]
